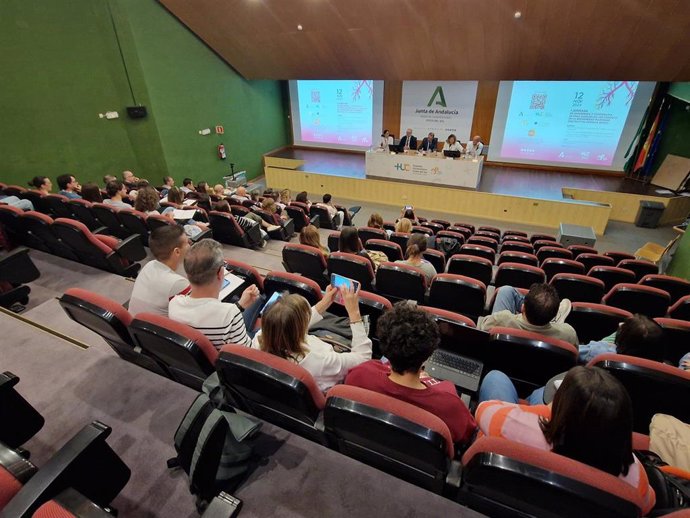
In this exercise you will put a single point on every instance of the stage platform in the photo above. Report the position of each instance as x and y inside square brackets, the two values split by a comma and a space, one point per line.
[528, 196]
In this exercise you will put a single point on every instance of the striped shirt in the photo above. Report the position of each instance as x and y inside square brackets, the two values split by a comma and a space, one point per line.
[222, 323]
[520, 423]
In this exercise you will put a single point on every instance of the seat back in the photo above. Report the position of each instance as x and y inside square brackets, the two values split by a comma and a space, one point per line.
[182, 352]
[89, 249]
[39, 233]
[618, 256]
[391, 249]
[227, 230]
[674, 286]
[581, 249]
[654, 388]
[590, 260]
[528, 358]
[444, 223]
[14, 190]
[542, 237]
[397, 281]
[472, 266]
[434, 227]
[468, 226]
[389, 434]
[639, 268]
[107, 216]
[538, 245]
[508, 234]
[505, 478]
[82, 212]
[518, 275]
[595, 321]
[334, 241]
[578, 288]
[300, 218]
[21, 420]
[488, 242]
[324, 217]
[464, 231]
[611, 275]
[676, 338]
[246, 272]
[367, 233]
[10, 223]
[554, 265]
[353, 267]
[478, 251]
[546, 252]
[517, 246]
[271, 388]
[57, 204]
[292, 283]
[486, 228]
[371, 306]
[449, 242]
[306, 261]
[135, 222]
[518, 257]
[635, 298]
[436, 258]
[681, 309]
[37, 199]
[401, 238]
[16, 267]
[459, 333]
[459, 294]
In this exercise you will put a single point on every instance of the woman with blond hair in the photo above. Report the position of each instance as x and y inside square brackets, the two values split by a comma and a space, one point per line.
[284, 330]
[403, 225]
[309, 236]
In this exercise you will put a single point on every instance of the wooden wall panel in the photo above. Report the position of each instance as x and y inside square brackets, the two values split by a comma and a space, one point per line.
[392, 101]
[484, 107]
[499, 207]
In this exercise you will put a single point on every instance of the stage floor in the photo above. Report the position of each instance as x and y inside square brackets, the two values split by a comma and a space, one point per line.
[515, 181]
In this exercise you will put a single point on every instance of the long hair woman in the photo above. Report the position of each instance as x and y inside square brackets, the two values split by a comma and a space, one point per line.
[414, 256]
[309, 236]
[284, 328]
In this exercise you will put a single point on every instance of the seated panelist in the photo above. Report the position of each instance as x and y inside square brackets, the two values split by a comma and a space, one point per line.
[408, 141]
[452, 144]
[429, 143]
[474, 147]
[386, 140]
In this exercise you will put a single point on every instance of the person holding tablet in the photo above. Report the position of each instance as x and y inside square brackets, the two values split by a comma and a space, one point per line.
[386, 140]
[452, 144]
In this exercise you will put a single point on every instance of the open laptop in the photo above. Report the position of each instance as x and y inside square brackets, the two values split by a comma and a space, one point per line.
[452, 154]
[447, 364]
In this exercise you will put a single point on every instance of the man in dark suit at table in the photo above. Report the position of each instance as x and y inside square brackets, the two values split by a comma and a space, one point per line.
[408, 142]
[429, 143]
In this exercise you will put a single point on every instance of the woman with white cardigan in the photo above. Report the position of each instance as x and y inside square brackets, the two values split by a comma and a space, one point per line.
[284, 328]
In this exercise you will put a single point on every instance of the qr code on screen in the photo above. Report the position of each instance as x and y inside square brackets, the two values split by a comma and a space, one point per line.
[538, 102]
[315, 96]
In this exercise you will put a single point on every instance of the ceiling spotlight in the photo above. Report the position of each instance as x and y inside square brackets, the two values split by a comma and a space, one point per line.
[517, 15]
[299, 27]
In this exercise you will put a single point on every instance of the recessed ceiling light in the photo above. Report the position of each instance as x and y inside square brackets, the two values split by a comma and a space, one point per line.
[299, 27]
[517, 14]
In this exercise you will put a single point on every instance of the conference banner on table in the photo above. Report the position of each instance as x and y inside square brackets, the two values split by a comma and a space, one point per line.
[439, 107]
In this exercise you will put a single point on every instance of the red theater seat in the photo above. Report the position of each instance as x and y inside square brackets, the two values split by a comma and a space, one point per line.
[676, 287]
[485, 241]
[418, 229]
[635, 298]
[581, 249]
[38, 233]
[450, 237]
[681, 309]
[325, 220]
[506, 478]
[578, 288]
[552, 252]
[676, 339]
[542, 237]
[10, 223]
[509, 234]
[554, 265]
[488, 233]
[226, 230]
[591, 260]
[292, 283]
[517, 246]
[58, 206]
[391, 435]
[445, 224]
[478, 268]
[458, 294]
[392, 250]
[273, 389]
[538, 245]
[436, 258]
[466, 232]
[135, 223]
[367, 233]
[479, 251]
[246, 272]
[306, 261]
[595, 321]
[518, 275]
[301, 218]
[468, 226]
[14, 190]
[611, 275]
[485, 228]
[618, 256]
[397, 281]
[334, 241]
[107, 216]
[82, 212]
[518, 257]
[37, 199]
[639, 268]
[434, 227]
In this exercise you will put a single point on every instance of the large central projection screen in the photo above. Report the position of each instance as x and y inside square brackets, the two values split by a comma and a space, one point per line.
[585, 124]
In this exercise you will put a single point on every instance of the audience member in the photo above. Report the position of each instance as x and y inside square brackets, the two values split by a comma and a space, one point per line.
[416, 246]
[108, 178]
[219, 191]
[91, 192]
[241, 194]
[254, 196]
[284, 330]
[203, 188]
[158, 281]
[148, 201]
[350, 243]
[271, 207]
[638, 336]
[302, 198]
[403, 225]
[685, 362]
[375, 221]
[42, 184]
[540, 311]
[309, 236]
[408, 336]
[168, 183]
[590, 421]
[337, 215]
[129, 179]
[117, 191]
[285, 198]
[176, 196]
[201, 309]
[408, 212]
[187, 185]
[69, 187]
[15, 201]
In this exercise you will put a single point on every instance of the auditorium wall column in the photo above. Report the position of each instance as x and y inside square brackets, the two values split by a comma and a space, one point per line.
[392, 104]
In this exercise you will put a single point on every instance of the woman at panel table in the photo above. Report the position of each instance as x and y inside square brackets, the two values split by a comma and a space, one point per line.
[452, 144]
[386, 140]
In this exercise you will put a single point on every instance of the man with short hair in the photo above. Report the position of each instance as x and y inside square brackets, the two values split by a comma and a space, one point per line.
[69, 187]
[187, 185]
[221, 322]
[408, 336]
[540, 311]
[116, 191]
[129, 179]
[409, 141]
[168, 183]
[429, 143]
[474, 147]
[338, 216]
[241, 194]
[158, 281]
[108, 178]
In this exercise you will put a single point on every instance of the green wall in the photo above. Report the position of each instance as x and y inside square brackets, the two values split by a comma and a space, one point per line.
[61, 67]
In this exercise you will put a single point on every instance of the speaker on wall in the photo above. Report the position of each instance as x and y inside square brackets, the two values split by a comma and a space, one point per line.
[136, 112]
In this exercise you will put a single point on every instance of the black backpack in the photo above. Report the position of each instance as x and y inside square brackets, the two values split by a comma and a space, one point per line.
[671, 492]
[214, 444]
[448, 245]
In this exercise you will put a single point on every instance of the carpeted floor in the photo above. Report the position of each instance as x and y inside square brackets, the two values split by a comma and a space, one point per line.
[72, 387]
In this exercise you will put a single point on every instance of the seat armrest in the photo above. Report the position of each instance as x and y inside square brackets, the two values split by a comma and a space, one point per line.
[204, 234]
[17, 267]
[223, 506]
[453, 479]
[85, 463]
[289, 226]
[101, 230]
[131, 248]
